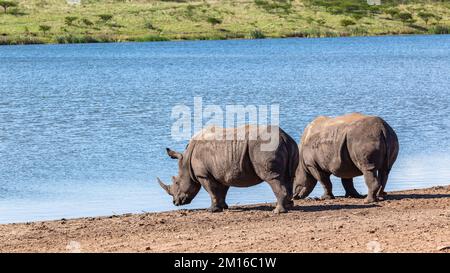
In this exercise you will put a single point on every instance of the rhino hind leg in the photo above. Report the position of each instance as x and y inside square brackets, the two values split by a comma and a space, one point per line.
[383, 177]
[223, 195]
[350, 191]
[327, 187]
[283, 195]
[373, 185]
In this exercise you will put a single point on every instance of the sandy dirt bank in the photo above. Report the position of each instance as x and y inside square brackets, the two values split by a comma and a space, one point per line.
[409, 221]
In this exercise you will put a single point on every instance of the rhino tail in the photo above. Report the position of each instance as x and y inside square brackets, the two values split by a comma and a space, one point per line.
[294, 157]
[390, 140]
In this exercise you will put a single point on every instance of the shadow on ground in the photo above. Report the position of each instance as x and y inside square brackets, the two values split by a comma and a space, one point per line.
[418, 196]
[318, 206]
[302, 207]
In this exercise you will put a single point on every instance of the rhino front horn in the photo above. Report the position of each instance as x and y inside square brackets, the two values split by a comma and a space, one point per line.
[164, 186]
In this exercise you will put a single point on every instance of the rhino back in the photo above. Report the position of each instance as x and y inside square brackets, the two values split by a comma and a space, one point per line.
[241, 163]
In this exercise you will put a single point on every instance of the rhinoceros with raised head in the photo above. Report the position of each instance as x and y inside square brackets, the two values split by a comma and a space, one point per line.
[245, 159]
[346, 146]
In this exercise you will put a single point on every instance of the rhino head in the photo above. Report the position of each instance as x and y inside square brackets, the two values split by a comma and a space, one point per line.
[304, 182]
[183, 188]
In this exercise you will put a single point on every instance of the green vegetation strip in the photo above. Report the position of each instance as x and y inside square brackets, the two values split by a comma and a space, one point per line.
[91, 21]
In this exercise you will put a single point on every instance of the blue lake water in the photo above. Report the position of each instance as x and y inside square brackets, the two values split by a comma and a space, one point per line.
[83, 127]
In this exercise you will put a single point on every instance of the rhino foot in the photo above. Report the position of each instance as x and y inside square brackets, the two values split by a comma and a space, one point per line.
[215, 209]
[382, 194]
[370, 200]
[354, 195]
[327, 197]
[279, 209]
[290, 204]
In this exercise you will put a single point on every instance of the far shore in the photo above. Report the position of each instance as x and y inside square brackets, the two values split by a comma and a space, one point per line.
[100, 40]
[408, 221]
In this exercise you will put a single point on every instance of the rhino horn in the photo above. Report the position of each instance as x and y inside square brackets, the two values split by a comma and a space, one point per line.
[164, 186]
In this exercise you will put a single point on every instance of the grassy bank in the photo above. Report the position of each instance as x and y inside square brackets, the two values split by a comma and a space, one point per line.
[56, 21]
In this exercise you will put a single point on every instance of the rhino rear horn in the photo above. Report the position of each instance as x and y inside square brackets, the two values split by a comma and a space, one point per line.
[164, 186]
[173, 154]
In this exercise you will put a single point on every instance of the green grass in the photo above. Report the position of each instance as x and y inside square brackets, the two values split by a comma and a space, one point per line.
[55, 21]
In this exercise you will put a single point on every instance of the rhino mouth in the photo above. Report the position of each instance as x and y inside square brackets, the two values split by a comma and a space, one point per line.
[182, 201]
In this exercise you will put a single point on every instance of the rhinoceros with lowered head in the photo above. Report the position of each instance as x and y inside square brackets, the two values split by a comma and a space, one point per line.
[219, 158]
[346, 146]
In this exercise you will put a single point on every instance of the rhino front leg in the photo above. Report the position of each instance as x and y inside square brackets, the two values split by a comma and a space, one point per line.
[217, 192]
[349, 187]
[284, 197]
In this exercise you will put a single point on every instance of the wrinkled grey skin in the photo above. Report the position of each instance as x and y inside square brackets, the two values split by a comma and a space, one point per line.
[346, 146]
[217, 165]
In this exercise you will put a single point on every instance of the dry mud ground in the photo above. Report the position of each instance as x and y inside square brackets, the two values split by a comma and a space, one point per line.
[408, 221]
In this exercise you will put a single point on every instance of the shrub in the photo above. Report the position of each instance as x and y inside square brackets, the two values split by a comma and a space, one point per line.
[257, 34]
[439, 29]
[321, 21]
[77, 39]
[149, 25]
[313, 33]
[115, 25]
[45, 28]
[214, 21]
[148, 38]
[5, 40]
[70, 19]
[405, 17]
[105, 17]
[347, 22]
[358, 31]
[87, 22]
[190, 11]
[234, 35]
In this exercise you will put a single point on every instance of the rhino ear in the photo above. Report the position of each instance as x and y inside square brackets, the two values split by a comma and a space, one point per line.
[173, 154]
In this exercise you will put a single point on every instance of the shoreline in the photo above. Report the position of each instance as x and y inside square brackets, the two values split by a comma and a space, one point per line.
[408, 221]
[99, 41]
